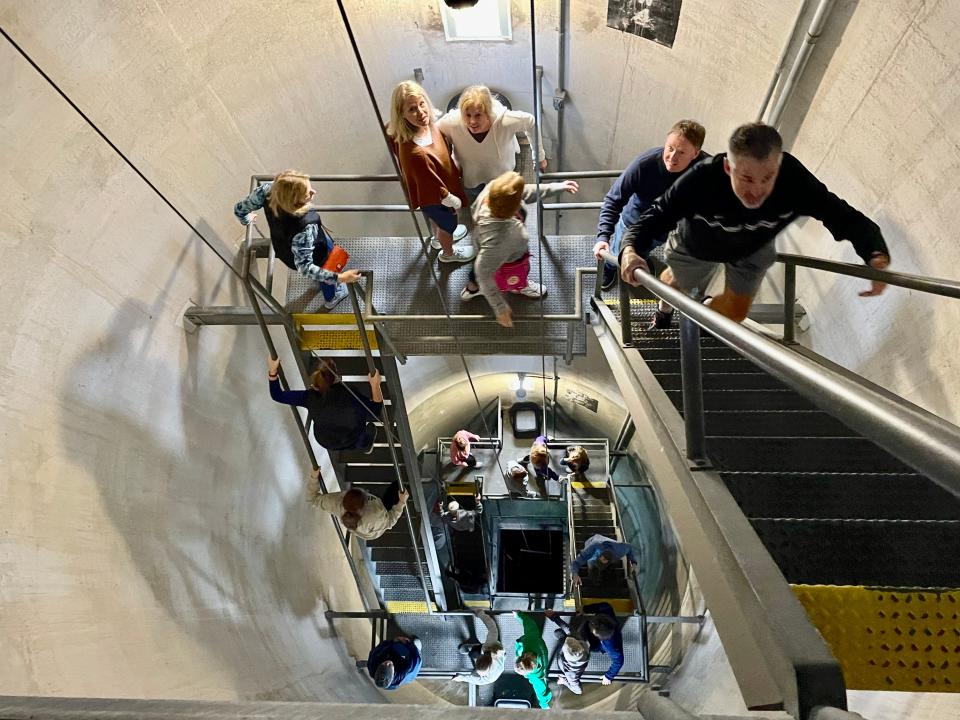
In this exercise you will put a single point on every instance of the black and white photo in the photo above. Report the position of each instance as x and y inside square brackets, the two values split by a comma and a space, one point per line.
[651, 19]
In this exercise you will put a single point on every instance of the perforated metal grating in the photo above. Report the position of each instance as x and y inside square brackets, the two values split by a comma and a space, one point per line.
[442, 635]
[403, 286]
[889, 639]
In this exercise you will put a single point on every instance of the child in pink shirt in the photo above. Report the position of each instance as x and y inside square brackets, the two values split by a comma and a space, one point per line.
[460, 449]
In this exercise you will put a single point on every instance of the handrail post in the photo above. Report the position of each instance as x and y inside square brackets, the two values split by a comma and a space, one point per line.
[789, 301]
[391, 442]
[597, 285]
[626, 328]
[691, 372]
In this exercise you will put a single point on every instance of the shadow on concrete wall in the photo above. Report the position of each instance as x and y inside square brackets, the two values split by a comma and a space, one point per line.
[233, 559]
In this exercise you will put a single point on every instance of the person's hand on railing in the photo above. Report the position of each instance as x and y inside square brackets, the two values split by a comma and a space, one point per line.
[633, 568]
[543, 165]
[602, 246]
[251, 218]
[630, 261]
[575, 580]
[348, 276]
[375, 378]
[273, 366]
[404, 496]
[505, 319]
[549, 612]
[878, 261]
[605, 680]
[571, 186]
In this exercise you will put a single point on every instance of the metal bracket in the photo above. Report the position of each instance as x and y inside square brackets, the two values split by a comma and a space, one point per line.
[559, 98]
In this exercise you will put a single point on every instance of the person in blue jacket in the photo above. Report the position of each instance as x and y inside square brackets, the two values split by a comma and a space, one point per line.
[598, 553]
[645, 179]
[395, 662]
[602, 631]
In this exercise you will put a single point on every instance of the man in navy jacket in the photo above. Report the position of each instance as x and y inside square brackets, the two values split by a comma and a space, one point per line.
[646, 178]
[395, 662]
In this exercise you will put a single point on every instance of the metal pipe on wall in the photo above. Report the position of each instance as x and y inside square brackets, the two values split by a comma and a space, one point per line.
[781, 61]
[817, 24]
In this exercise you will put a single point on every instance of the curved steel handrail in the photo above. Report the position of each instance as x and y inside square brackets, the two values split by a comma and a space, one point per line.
[917, 437]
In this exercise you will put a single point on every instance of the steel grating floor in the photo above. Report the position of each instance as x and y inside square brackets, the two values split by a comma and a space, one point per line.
[441, 636]
[403, 285]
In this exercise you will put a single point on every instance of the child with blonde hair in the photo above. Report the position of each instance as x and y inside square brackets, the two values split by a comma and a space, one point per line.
[503, 256]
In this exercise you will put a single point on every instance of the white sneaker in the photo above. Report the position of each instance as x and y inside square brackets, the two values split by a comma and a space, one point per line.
[341, 293]
[459, 255]
[468, 294]
[532, 290]
[459, 234]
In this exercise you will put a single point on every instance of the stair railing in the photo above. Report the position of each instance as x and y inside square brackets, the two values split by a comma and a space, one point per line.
[430, 554]
[250, 286]
[931, 286]
[915, 436]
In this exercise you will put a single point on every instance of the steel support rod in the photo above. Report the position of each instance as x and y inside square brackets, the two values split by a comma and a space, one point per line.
[338, 178]
[691, 374]
[919, 438]
[580, 174]
[789, 301]
[573, 206]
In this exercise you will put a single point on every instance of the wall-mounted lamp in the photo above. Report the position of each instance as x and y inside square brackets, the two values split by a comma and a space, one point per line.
[460, 4]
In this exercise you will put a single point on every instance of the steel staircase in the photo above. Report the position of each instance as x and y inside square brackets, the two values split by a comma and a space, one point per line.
[867, 544]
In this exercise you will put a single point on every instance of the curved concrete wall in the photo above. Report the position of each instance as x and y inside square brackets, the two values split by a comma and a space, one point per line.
[155, 540]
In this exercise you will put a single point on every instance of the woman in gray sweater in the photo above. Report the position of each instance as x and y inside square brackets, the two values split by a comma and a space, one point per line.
[501, 238]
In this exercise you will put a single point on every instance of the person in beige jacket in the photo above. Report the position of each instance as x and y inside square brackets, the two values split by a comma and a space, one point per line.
[366, 515]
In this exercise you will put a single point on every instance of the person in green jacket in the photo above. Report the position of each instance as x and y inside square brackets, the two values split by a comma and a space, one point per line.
[532, 659]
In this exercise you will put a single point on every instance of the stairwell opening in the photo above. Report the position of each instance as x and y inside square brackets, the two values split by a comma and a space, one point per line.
[531, 560]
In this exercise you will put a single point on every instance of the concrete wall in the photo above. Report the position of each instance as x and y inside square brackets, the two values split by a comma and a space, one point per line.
[156, 542]
[879, 127]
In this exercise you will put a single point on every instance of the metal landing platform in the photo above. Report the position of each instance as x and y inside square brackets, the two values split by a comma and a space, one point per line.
[402, 285]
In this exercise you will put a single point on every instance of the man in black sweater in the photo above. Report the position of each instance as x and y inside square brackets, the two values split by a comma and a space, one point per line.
[729, 209]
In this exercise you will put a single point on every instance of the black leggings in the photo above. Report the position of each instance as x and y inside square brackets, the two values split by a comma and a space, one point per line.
[392, 496]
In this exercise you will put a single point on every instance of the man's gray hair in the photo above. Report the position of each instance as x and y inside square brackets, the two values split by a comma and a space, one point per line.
[755, 140]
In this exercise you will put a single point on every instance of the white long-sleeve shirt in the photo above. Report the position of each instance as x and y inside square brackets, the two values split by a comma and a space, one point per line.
[483, 161]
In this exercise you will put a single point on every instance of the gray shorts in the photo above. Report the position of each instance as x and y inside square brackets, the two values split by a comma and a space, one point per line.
[743, 276]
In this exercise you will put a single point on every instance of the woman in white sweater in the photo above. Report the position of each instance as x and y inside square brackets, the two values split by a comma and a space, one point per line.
[484, 137]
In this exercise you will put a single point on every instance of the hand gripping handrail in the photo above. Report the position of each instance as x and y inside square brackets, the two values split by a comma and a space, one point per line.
[917, 437]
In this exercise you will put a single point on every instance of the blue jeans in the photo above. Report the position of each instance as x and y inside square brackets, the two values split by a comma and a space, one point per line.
[327, 289]
[643, 249]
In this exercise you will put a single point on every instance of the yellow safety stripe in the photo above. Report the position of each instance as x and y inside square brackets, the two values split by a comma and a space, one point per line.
[905, 640]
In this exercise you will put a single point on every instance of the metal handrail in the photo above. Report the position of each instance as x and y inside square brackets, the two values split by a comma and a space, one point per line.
[392, 445]
[932, 286]
[917, 437]
[251, 291]
[574, 590]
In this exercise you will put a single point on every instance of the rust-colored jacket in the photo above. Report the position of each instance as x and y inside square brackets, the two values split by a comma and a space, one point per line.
[429, 170]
